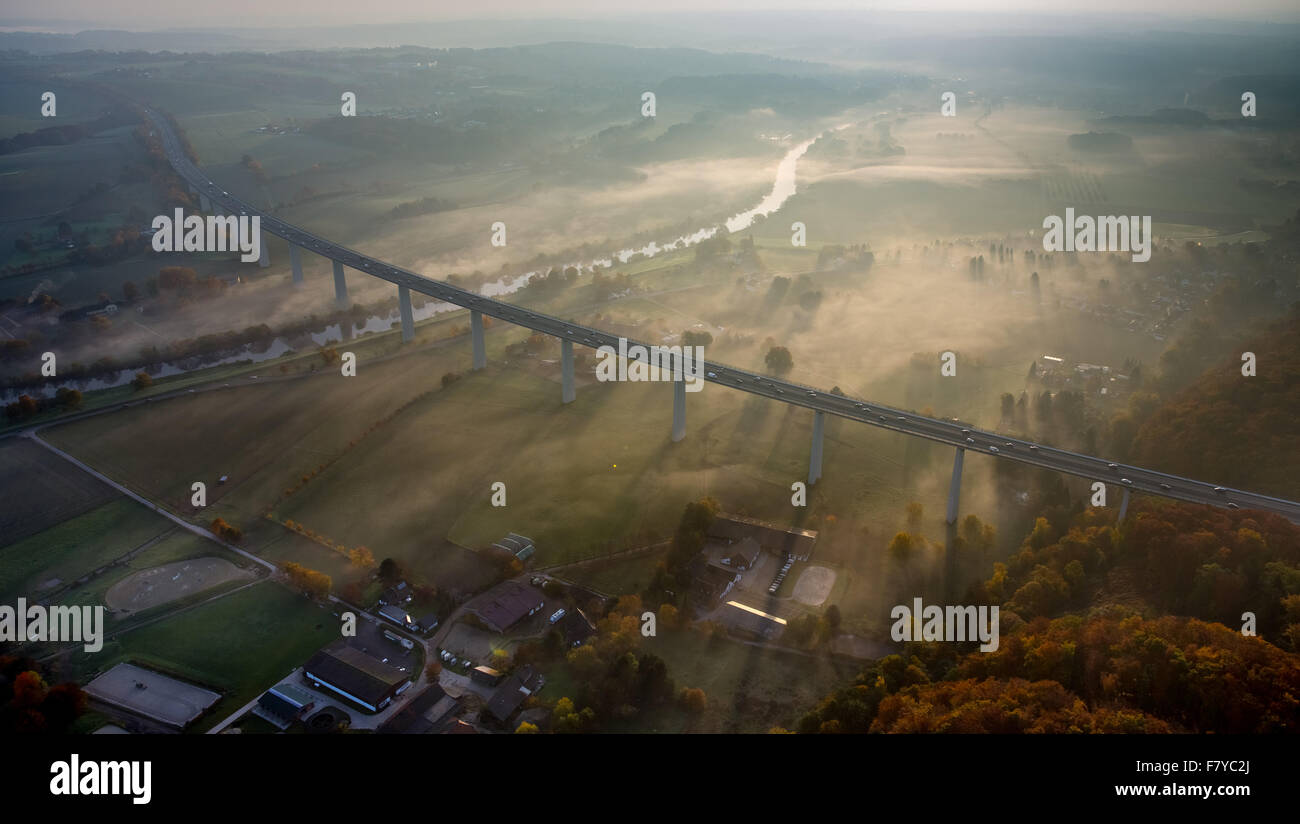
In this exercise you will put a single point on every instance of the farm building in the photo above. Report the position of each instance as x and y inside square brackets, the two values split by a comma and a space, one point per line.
[516, 689]
[397, 615]
[517, 545]
[351, 673]
[283, 704]
[732, 531]
[506, 604]
[485, 675]
[396, 595]
[575, 627]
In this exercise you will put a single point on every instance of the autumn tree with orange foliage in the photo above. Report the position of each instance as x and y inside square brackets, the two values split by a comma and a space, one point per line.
[313, 583]
[1111, 670]
[1230, 428]
[28, 705]
[226, 531]
[1003, 707]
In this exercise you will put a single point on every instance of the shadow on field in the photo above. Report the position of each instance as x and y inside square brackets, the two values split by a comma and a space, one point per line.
[790, 426]
[754, 412]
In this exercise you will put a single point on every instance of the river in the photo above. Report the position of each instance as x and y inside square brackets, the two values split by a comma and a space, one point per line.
[783, 188]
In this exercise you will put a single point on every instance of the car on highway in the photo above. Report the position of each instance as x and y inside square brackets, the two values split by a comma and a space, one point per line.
[970, 440]
[1033, 446]
[1219, 490]
[993, 449]
[1231, 505]
[1166, 487]
[1112, 467]
[1125, 481]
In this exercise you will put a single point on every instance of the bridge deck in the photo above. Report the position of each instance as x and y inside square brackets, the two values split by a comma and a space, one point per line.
[950, 432]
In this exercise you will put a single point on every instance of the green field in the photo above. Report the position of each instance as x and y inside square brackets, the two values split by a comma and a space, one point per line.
[578, 479]
[40, 490]
[263, 436]
[43, 185]
[75, 547]
[174, 544]
[240, 645]
[615, 577]
[20, 104]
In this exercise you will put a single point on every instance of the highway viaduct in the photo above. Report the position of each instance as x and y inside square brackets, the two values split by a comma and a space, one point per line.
[950, 432]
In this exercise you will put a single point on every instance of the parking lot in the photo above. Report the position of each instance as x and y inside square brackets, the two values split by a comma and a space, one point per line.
[370, 640]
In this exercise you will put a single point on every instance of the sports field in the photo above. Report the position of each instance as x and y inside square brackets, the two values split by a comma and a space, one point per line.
[168, 582]
[152, 694]
[238, 645]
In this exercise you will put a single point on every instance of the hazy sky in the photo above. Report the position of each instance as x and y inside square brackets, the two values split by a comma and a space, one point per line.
[153, 14]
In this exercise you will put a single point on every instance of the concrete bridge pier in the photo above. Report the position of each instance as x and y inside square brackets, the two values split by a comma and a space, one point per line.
[954, 491]
[1123, 507]
[408, 317]
[679, 410]
[815, 459]
[567, 393]
[480, 347]
[340, 285]
[295, 261]
[265, 260]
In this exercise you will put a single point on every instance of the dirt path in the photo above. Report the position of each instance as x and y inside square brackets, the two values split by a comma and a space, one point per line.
[197, 530]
